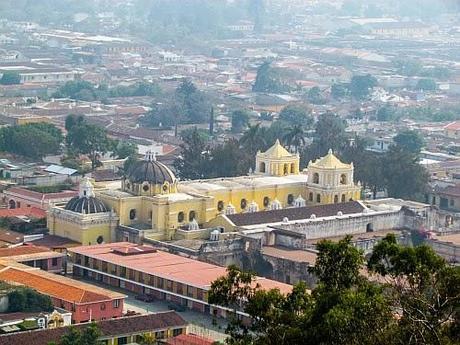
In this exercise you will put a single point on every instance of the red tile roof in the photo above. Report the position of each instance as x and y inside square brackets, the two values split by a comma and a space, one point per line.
[453, 126]
[23, 250]
[166, 265]
[40, 196]
[109, 328]
[56, 286]
[33, 212]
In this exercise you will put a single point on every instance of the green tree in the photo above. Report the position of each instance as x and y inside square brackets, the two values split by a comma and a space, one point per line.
[423, 289]
[88, 139]
[386, 113]
[410, 140]
[361, 85]
[28, 300]
[87, 336]
[404, 177]
[125, 149]
[295, 137]
[330, 133]
[10, 78]
[228, 160]
[254, 139]
[268, 80]
[193, 162]
[314, 95]
[339, 91]
[240, 120]
[77, 89]
[426, 85]
[408, 67]
[192, 103]
[296, 115]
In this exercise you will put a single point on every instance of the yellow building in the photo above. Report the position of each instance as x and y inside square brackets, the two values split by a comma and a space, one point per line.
[152, 199]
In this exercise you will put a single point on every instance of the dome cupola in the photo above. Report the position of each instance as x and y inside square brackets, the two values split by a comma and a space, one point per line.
[86, 202]
[149, 177]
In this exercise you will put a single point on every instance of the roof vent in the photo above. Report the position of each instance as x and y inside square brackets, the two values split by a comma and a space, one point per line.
[313, 216]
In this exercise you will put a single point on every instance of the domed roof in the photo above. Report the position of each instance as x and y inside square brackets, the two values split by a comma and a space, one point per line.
[86, 202]
[149, 170]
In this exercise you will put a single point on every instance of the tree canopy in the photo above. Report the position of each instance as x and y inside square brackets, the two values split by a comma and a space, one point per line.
[409, 140]
[419, 305]
[268, 80]
[26, 300]
[10, 78]
[296, 115]
[361, 85]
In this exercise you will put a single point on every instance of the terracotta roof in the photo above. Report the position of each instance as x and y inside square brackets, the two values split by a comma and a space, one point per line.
[449, 190]
[295, 213]
[56, 242]
[11, 237]
[454, 126]
[189, 339]
[33, 212]
[109, 328]
[28, 252]
[166, 265]
[290, 254]
[60, 287]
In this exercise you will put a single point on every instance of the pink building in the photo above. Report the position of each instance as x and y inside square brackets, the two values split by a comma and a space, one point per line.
[17, 197]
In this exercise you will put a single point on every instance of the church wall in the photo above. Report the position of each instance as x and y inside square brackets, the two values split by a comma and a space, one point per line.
[74, 232]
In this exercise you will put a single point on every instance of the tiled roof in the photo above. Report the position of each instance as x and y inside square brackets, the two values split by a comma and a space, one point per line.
[454, 126]
[108, 328]
[166, 265]
[11, 237]
[56, 242]
[450, 190]
[56, 286]
[33, 212]
[295, 213]
[26, 251]
[40, 196]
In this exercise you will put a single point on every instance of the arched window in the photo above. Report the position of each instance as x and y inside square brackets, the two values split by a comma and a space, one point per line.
[11, 204]
[336, 199]
[145, 187]
[243, 204]
[262, 167]
[132, 214]
[100, 239]
[343, 197]
[318, 198]
[316, 178]
[310, 197]
[266, 201]
[343, 179]
[292, 168]
[220, 205]
[191, 215]
[286, 169]
[290, 199]
[180, 217]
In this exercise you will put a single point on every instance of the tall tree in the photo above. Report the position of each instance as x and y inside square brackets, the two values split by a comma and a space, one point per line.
[89, 336]
[330, 133]
[193, 162]
[295, 137]
[192, 102]
[268, 80]
[211, 122]
[240, 120]
[409, 140]
[361, 85]
[296, 115]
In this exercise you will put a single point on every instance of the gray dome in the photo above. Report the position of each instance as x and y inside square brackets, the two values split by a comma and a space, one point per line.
[151, 171]
[86, 205]
[86, 202]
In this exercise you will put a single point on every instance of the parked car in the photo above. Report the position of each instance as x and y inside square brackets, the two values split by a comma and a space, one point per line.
[177, 307]
[145, 298]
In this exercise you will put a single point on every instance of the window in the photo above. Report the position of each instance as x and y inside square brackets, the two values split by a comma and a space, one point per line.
[243, 204]
[158, 335]
[132, 214]
[286, 169]
[266, 201]
[180, 217]
[146, 187]
[122, 340]
[318, 198]
[343, 179]
[316, 178]
[54, 262]
[220, 205]
[177, 331]
[191, 215]
[103, 306]
[336, 199]
[100, 239]
[116, 303]
[290, 199]
[292, 168]
[310, 197]
[262, 167]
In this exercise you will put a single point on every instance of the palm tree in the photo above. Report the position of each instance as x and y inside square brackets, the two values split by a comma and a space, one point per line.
[253, 139]
[295, 137]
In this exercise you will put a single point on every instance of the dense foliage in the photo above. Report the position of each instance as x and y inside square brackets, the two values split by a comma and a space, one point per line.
[27, 300]
[10, 78]
[34, 140]
[419, 305]
[88, 336]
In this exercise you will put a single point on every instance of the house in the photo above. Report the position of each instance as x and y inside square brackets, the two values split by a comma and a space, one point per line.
[452, 130]
[126, 330]
[86, 302]
[35, 256]
[17, 197]
[447, 246]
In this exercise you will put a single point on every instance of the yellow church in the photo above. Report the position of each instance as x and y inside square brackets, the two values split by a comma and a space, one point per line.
[150, 198]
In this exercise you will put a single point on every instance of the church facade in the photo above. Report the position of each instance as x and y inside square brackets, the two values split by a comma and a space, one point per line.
[151, 198]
